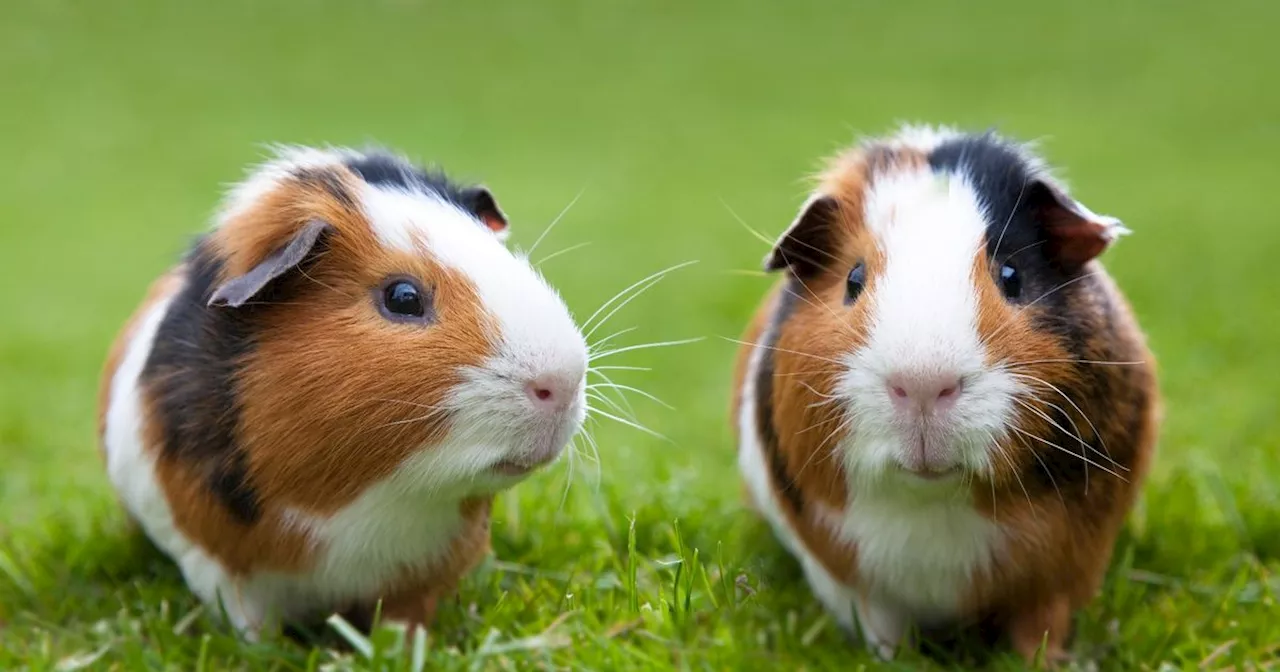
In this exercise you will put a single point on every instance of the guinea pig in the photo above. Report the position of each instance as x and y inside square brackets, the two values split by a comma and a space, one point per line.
[944, 407]
[312, 412]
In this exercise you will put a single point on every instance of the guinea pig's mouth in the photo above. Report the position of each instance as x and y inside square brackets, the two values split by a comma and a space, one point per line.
[515, 467]
[931, 473]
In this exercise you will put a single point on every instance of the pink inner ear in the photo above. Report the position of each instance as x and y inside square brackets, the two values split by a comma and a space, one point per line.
[495, 222]
[1076, 234]
[1078, 242]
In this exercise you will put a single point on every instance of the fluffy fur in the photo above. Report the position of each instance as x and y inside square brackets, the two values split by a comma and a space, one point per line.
[999, 500]
[295, 450]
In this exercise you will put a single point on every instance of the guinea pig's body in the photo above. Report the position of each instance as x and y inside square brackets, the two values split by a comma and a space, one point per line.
[945, 407]
[313, 411]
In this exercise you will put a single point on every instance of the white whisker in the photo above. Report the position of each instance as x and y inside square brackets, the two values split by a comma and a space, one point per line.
[632, 286]
[553, 223]
[644, 346]
[566, 250]
[777, 349]
[628, 388]
[634, 425]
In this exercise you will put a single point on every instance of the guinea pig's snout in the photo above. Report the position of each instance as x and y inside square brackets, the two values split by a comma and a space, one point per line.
[923, 393]
[553, 392]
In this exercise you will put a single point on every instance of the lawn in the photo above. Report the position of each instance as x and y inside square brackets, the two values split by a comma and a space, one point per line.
[121, 123]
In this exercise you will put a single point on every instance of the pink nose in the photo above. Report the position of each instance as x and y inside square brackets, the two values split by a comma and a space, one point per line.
[552, 393]
[924, 393]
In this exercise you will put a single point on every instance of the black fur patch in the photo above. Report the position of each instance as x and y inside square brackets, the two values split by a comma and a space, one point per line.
[190, 376]
[328, 181]
[764, 399]
[386, 170]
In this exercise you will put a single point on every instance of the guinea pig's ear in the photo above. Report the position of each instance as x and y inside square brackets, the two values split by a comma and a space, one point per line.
[237, 291]
[479, 201]
[803, 246]
[1076, 234]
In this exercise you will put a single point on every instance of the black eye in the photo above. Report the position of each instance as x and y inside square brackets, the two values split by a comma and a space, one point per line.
[404, 300]
[855, 283]
[1010, 281]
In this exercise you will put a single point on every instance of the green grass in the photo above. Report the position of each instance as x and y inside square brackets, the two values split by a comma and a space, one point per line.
[121, 121]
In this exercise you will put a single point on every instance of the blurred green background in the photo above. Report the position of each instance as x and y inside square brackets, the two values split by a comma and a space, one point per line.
[121, 124]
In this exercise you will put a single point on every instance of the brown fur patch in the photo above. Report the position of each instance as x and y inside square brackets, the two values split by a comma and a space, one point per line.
[1059, 547]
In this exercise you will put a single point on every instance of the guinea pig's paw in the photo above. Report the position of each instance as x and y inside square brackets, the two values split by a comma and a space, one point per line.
[884, 628]
[1039, 632]
[411, 609]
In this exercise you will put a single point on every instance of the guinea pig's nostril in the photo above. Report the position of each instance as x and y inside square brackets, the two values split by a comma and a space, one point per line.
[539, 393]
[899, 392]
[948, 392]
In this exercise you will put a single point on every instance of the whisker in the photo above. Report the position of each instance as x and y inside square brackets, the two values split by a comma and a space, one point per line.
[566, 250]
[771, 243]
[1084, 445]
[628, 388]
[1022, 190]
[1045, 416]
[1046, 470]
[1010, 365]
[553, 223]
[1014, 468]
[827, 398]
[606, 339]
[631, 412]
[1102, 442]
[422, 418]
[634, 425]
[328, 287]
[793, 352]
[1085, 458]
[1038, 299]
[411, 403]
[643, 346]
[611, 403]
[591, 369]
[637, 283]
[818, 424]
[634, 295]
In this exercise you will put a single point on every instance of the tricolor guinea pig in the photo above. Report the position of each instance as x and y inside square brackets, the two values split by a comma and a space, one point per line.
[312, 412]
[945, 407]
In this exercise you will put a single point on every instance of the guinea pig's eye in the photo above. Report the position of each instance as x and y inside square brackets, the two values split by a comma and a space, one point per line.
[403, 300]
[1010, 281]
[856, 281]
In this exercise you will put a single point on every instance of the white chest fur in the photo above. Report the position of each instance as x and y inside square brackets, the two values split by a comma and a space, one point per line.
[368, 544]
[917, 551]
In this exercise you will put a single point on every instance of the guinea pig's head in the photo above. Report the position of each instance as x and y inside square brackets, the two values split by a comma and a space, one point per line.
[386, 329]
[939, 297]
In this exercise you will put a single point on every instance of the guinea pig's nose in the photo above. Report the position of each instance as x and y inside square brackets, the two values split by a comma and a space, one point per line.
[552, 392]
[924, 392]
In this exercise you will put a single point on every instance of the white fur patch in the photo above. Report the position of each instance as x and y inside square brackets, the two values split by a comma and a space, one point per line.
[918, 548]
[131, 469]
[264, 178]
[930, 228]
